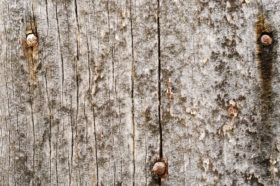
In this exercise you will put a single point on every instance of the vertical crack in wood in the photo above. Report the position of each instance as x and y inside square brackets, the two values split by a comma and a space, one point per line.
[9, 134]
[88, 61]
[72, 142]
[86, 131]
[60, 51]
[33, 130]
[159, 83]
[50, 126]
[47, 15]
[32, 9]
[78, 30]
[112, 89]
[77, 105]
[159, 79]
[77, 75]
[56, 164]
[76, 66]
[62, 83]
[95, 145]
[132, 91]
[93, 115]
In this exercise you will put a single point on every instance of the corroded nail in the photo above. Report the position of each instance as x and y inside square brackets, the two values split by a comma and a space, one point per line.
[31, 40]
[159, 168]
[266, 40]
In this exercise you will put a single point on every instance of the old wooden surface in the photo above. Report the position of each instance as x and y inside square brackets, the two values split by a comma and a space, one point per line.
[116, 84]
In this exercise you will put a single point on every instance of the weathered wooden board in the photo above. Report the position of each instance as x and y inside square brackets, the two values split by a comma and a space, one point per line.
[145, 91]
[115, 84]
[208, 59]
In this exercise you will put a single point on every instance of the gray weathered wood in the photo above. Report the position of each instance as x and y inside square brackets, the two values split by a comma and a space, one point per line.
[111, 77]
[209, 58]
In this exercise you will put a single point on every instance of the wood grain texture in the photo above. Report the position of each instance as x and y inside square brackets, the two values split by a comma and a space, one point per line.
[208, 61]
[113, 83]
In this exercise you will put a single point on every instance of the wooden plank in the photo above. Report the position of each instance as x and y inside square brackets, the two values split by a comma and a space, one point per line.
[67, 75]
[145, 91]
[110, 93]
[78, 118]
[17, 131]
[121, 124]
[112, 87]
[208, 62]
[57, 38]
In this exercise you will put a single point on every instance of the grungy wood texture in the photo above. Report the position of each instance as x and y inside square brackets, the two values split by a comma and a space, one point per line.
[115, 84]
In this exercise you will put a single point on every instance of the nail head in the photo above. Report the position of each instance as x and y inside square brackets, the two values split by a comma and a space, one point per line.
[159, 168]
[266, 40]
[31, 40]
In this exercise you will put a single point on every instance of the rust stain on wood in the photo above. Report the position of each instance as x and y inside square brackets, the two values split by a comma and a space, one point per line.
[31, 53]
[265, 62]
[265, 56]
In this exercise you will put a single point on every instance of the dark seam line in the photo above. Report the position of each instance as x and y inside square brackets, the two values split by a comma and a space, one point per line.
[132, 91]
[159, 80]
[159, 84]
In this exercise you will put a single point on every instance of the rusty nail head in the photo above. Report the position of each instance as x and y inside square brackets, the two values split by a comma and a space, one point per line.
[266, 40]
[31, 40]
[160, 168]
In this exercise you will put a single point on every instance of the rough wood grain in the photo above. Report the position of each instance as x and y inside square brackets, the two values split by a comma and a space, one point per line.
[146, 122]
[208, 63]
[116, 84]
